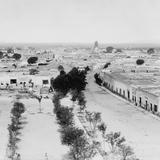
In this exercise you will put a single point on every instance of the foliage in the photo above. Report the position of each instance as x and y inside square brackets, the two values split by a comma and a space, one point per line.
[77, 79]
[106, 65]
[16, 56]
[114, 139]
[150, 51]
[81, 100]
[126, 151]
[94, 118]
[10, 50]
[139, 61]
[70, 135]
[60, 68]
[97, 79]
[102, 127]
[32, 60]
[64, 116]
[1, 54]
[61, 84]
[81, 150]
[56, 102]
[18, 109]
[33, 71]
[74, 80]
[14, 127]
[109, 49]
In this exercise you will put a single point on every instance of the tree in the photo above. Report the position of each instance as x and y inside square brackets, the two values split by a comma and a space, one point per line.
[77, 79]
[81, 150]
[81, 101]
[150, 51]
[16, 56]
[126, 151]
[106, 65]
[109, 49]
[102, 127]
[1, 54]
[61, 84]
[139, 61]
[10, 50]
[33, 71]
[18, 109]
[71, 134]
[60, 68]
[64, 116]
[97, 79]
[94, 118]
[114, 140]
[32, 60]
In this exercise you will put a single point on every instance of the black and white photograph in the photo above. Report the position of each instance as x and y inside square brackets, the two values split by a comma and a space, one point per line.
[79, 80]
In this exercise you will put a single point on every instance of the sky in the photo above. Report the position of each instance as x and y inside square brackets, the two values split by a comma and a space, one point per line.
[84, 21]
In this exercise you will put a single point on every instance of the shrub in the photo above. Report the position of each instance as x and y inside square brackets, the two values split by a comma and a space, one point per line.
[32, 60]
[77, 79]
[71, 134]
[1, 55]
[33, 71]
[150, 51]
[16, 56]
[94, 118]
[97, 79]
[64, 116]
[60, 68]
[18, 109]
[81, 150]
[139, 61]
[126, 151]
[109, 49]
[106, 65]
[61, 84]
[115, 140]
[102, 127]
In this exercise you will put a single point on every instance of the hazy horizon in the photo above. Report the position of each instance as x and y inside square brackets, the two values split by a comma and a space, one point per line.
[106, 21]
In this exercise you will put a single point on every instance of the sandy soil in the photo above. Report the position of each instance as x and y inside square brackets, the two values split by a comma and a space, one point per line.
[139, 127]
[5, 107]
[40, 135]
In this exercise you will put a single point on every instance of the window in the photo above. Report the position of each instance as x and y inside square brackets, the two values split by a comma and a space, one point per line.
[45, 82]
[13, 81]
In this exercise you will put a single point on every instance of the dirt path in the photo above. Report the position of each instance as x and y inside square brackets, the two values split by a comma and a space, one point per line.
[140, 128]
[40, 135]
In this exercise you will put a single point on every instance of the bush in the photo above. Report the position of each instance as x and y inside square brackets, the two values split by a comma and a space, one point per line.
[32, 60]
[18, 109]
[61, 84]
[97, 79]
[115, 140]
[64, 116]
[71, 134]
[109, 49]
[33, 71]
[77, 79]
[16, 56]
[150, 51]
[106, 65]
[1, 55]
[140, 61]
[60, 68]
